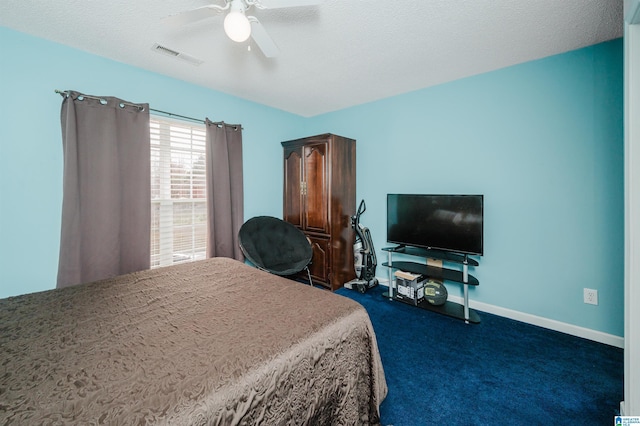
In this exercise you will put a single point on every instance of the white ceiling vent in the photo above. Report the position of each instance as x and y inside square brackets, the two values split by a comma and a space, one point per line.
[173, 53]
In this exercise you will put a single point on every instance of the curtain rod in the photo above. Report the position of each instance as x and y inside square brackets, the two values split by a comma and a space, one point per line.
[170, 114]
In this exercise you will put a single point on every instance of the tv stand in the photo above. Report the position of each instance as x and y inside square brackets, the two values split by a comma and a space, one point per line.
[461, 275]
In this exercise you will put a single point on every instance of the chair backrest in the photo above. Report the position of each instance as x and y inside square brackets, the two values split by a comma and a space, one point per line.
[274, 245]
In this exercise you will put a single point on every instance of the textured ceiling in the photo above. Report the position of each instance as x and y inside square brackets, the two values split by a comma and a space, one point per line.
[332, 56]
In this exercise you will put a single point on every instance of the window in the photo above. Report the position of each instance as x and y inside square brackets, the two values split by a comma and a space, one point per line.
[178, 192]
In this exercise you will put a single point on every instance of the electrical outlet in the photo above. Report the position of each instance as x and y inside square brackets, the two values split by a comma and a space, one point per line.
[590, 296]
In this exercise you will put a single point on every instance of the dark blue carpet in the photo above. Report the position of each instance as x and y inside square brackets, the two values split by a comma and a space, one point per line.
[441, 371]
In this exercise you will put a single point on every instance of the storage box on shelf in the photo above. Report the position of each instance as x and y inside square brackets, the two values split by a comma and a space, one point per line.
[410, 287]
[456, 310]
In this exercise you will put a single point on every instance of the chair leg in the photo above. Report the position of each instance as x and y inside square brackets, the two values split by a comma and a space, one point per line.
[309, 274]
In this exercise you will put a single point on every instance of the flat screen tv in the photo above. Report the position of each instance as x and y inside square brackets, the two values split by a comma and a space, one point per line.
[442, 222]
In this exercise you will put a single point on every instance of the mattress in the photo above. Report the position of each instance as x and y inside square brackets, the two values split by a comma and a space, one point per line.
[213, 342]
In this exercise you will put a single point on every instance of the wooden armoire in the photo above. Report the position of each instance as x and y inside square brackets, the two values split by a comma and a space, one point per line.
[320, 198]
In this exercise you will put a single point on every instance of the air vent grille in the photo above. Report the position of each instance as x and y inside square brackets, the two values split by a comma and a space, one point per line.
[165, 50]
[175, 54]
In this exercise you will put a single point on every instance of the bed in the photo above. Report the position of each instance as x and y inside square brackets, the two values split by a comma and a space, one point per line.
[211, 342]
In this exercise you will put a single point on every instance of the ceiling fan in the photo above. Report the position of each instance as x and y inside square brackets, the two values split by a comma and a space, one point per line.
[237, 24]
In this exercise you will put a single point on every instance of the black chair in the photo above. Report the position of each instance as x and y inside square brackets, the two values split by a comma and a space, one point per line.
[275, 246]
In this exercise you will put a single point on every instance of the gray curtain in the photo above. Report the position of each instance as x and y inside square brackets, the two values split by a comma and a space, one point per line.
[225, 194]
[106, 206]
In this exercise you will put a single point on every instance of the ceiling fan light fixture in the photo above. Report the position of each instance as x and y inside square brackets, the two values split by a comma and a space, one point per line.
[237, 26]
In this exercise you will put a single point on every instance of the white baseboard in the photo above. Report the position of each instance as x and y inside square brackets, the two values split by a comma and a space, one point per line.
[573, 330]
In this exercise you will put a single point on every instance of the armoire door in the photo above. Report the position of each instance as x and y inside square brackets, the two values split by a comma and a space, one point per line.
[320, 267]
[315, 190]
[293, 193]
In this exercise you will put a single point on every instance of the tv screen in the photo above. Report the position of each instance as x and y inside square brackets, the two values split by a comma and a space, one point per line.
[443, 222]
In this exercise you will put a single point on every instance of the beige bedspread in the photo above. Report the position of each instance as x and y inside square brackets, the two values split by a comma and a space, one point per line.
[212, 342]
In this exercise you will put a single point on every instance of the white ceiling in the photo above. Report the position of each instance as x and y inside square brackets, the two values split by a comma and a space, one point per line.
[332, 56]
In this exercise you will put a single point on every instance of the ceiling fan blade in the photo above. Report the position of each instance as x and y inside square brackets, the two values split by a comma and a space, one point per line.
[194, 15]
[262, 38]
[278, 4]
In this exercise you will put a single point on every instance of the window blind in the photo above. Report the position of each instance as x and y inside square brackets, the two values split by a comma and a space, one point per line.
[178, 192]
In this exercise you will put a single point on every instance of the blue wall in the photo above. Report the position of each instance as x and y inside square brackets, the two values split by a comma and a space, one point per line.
[31, 144]
[543, 141]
